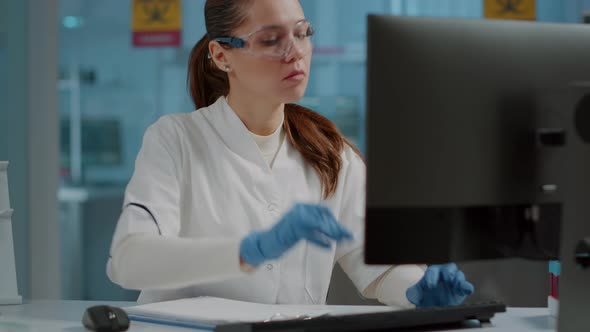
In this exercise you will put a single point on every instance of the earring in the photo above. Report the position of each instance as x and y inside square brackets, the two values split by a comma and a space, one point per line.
[227, 68]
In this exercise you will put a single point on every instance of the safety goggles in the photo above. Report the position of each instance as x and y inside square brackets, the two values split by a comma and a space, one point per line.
[273, 42]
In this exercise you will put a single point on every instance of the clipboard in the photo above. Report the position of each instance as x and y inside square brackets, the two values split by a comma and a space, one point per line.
[206, 312]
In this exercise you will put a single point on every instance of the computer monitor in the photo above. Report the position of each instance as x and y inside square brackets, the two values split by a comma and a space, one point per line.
[478, 145]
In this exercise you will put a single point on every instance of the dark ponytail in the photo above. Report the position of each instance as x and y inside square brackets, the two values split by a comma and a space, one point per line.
[205, 81]
[320, 143]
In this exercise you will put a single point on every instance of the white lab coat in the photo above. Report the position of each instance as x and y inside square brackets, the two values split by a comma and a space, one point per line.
[202, 177]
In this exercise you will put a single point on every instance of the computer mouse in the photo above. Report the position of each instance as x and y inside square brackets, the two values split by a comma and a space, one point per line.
[104, 318]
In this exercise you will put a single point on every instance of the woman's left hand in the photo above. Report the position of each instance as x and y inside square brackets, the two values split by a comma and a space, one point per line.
[441, 285]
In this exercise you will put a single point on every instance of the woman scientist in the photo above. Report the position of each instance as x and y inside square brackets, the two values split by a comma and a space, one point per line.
[250, 197]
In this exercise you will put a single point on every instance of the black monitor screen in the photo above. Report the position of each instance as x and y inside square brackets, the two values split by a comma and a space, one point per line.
[478, 142]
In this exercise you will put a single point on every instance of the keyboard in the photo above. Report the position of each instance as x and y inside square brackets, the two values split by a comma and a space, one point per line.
[411, 319]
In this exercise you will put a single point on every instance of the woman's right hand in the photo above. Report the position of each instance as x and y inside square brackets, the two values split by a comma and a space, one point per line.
[312, 222]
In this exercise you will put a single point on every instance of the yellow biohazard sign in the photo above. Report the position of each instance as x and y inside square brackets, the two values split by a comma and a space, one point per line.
[510, 9]
[156, 22]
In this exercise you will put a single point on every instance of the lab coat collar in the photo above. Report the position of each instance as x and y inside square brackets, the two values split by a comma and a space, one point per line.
[234, 133]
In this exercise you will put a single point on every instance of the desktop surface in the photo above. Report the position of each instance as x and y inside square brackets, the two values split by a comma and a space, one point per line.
[66, 316]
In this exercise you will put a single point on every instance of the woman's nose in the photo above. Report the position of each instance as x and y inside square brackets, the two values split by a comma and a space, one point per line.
[294, 52]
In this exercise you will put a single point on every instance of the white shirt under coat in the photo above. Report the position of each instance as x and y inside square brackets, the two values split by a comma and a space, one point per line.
[201, 184]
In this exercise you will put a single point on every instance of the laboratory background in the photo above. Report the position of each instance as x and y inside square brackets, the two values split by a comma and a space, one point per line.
[77, 95]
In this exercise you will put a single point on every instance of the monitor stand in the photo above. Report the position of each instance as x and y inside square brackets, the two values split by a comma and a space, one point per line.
[574, 281]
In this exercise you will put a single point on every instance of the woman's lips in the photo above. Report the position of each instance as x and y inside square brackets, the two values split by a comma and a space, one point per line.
[296, 75]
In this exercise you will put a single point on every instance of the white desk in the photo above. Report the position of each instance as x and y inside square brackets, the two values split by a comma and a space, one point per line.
[46, 316]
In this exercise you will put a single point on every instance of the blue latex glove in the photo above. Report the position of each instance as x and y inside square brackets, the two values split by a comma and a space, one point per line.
[311, 222]
[441, 285]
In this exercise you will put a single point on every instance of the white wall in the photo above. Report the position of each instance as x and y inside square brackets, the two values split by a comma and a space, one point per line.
[13, 126]
[28, 138]
[43, 152]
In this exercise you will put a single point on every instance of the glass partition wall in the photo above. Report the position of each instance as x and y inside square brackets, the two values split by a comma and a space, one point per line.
[110, 91]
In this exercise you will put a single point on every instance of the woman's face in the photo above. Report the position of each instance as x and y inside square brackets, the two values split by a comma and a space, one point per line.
[259, 70]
